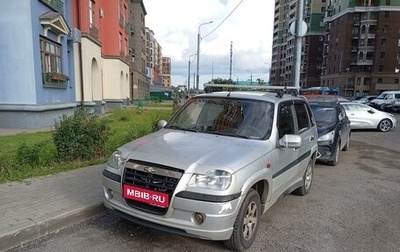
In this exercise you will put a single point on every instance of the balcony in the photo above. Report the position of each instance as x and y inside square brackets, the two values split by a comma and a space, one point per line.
[94, 32]
[122, 20]
[56, 5]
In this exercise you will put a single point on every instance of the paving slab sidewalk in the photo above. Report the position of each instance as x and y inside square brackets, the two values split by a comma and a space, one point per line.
[43, 205]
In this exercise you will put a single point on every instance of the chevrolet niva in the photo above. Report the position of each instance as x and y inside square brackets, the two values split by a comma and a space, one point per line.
[216, 166]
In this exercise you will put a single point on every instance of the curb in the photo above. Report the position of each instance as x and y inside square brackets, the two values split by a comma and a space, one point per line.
[33, 232]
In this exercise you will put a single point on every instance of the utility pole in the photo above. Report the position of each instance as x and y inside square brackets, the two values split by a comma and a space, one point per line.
[299, 37]
[230, 69]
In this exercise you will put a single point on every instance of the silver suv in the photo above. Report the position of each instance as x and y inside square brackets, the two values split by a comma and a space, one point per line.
[222, 161]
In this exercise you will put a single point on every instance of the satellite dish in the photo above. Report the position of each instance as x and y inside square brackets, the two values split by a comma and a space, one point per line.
[303, 28]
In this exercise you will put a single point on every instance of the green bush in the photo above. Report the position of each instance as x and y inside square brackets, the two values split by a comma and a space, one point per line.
[81, 136]
[29, 155]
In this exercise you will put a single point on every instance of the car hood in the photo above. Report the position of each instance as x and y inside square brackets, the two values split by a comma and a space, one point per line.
[325, 128]
[195, 151]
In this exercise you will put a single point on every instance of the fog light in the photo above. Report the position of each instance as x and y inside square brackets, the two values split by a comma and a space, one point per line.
[109, 194]
[198, 218]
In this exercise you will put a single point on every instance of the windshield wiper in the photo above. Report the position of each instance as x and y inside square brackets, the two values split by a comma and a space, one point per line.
[230, 134]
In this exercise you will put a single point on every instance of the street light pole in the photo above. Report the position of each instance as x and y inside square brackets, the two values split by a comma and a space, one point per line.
[188, 86]
[198, 54]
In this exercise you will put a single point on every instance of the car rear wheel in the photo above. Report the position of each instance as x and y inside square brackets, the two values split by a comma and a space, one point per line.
[246, 224]
[307, 179]
[384, 125]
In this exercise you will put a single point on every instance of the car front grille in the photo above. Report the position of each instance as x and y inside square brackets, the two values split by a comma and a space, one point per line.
[153, 177]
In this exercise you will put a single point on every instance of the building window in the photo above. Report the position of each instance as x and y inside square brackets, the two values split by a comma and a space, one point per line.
[386, 14]
[382, 55]
[120, 41]
[380, 68]
[50, 53]
[91, 13]
[380, 80]
[51, 58]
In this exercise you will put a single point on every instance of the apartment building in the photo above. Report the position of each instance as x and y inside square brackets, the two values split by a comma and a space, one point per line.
[37, 81]
[100, 29]
[362, 46]
[153, 58]
[139, 85]
[284, 43]
[166, 71]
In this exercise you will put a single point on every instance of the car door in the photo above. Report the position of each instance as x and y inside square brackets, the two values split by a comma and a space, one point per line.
[305, 128]
[359, 116]
[293, 118]
[284, 171]
[345, 127]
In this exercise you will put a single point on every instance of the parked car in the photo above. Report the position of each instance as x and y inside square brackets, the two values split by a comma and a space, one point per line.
[365, 117]
[220, 162]
[333, 126]
[386, 100]
[364, 99]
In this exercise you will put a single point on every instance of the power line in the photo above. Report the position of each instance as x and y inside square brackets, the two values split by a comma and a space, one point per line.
[224, 19]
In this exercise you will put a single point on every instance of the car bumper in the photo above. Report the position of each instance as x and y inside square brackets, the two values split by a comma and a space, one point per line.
[218, 222]
[326, 152]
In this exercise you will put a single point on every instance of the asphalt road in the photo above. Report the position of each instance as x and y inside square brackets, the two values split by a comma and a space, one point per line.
[354, 206]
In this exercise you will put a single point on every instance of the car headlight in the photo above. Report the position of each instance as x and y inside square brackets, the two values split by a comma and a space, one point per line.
[116, 161]
[216, 180]
[327, 137]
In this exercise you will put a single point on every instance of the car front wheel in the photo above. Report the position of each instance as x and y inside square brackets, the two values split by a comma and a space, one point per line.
[246, 224]
[335, 157]
[384, 125]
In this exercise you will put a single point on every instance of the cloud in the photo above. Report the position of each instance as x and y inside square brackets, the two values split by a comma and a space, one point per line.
[247, 24]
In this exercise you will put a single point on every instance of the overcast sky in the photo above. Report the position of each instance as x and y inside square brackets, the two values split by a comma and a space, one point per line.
[248, 24]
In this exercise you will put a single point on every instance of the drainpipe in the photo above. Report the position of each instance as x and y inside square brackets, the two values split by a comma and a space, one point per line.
[80, 54]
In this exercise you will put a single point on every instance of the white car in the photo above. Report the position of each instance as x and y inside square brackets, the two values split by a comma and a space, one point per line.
[365, 117]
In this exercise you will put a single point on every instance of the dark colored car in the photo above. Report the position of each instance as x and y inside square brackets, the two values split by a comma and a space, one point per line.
[333, 127]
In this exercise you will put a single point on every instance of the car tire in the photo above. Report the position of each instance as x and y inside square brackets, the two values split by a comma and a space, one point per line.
[384, 125]
[335, 157]
[307, 179]
[246, 224]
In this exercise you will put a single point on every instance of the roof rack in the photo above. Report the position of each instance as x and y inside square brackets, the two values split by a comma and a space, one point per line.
[280, 90]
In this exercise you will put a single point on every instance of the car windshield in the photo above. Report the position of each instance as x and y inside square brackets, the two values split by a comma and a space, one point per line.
[382, 96]
[243, 118]
[325, 115]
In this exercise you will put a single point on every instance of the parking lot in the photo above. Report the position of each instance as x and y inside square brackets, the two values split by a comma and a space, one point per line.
[353, 206]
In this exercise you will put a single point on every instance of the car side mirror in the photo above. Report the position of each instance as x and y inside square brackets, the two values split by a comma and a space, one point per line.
[290, 141]
[161, 124]
[371, 111]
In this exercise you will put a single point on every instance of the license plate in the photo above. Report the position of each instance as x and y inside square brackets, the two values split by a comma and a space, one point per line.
[146, 196]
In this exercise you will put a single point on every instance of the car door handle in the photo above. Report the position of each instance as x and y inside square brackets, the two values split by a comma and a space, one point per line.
[312, 138]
